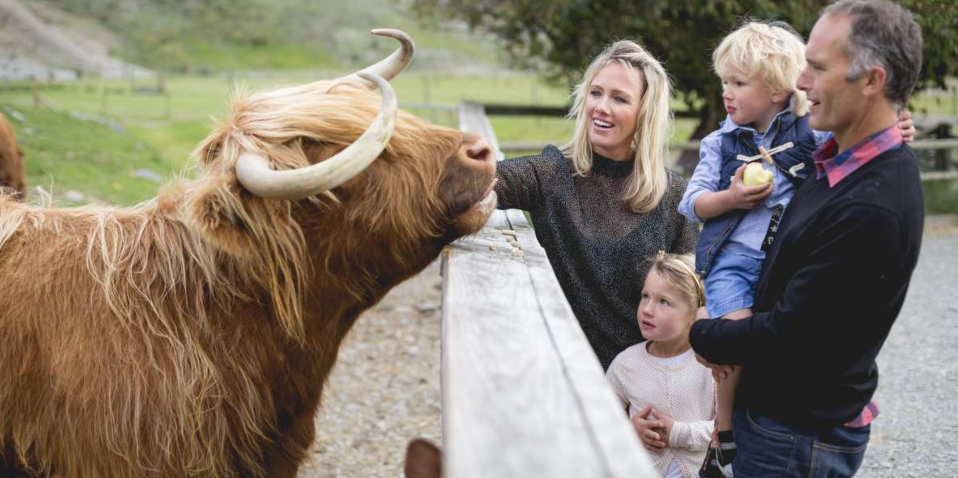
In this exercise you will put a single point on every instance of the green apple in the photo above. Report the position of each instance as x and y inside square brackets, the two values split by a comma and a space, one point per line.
[756, 175]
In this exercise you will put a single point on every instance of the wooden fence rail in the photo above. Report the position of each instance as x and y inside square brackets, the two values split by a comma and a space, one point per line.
[523, 395]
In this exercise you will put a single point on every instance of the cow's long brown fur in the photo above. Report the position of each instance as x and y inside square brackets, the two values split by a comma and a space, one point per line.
[191, 335]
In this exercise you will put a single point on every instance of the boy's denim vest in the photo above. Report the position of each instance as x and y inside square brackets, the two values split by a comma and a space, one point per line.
[786, 128]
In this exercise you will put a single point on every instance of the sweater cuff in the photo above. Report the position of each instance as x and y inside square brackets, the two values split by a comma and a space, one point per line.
[691, 435]
[702, 340]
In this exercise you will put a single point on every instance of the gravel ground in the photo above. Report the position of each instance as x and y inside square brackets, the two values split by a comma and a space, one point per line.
[385, 387]
[916, 434]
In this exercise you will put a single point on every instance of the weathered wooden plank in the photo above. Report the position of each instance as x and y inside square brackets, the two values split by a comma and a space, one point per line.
[523, 393]
[498, 220]
[508, 409]
[517, 220]
[613, 435]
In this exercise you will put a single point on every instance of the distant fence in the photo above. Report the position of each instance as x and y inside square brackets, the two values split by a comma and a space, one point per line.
[935, 145]
[523, 395]
[494, 109]
[937, 152]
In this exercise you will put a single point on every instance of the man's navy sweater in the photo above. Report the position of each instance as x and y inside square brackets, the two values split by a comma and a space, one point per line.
[831, 287]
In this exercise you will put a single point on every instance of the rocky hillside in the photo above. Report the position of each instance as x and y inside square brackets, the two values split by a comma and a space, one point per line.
[41, 41]
[66, 38]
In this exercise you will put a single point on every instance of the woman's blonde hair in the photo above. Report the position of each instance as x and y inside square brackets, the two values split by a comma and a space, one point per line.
[771, 52]
[678, 270]
[648, 181]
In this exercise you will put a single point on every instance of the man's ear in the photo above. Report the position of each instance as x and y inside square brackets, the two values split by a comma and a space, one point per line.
[874, 81]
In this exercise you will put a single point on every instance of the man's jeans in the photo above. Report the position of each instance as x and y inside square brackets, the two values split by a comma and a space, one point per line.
[769, 448]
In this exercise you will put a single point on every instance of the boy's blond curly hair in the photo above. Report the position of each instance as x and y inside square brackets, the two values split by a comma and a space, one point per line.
[771, 52]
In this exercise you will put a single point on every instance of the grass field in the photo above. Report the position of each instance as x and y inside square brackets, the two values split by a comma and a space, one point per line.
[63, 154]
[160, 131]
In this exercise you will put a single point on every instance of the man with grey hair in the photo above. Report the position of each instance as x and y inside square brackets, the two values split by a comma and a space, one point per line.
[835, 278]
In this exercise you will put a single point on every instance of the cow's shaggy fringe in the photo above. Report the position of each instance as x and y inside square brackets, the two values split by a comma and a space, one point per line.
[160, 282]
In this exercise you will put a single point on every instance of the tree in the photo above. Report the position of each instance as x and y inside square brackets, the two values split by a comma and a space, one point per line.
[559, 37]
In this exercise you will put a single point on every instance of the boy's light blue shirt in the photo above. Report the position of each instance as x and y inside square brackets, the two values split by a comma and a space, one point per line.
[747, 237]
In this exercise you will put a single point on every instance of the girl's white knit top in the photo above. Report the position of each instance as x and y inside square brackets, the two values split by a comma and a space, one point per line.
[681, 388]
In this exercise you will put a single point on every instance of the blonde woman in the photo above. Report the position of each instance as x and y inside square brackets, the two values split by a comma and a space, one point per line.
[605, 201]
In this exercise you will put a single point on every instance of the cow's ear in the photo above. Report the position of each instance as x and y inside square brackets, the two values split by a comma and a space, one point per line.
[217, 211]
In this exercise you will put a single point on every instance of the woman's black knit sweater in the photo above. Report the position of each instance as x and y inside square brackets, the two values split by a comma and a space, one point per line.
[595, 243]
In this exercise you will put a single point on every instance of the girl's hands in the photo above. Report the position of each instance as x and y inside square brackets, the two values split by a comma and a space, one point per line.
[667, 423]
[649, 429]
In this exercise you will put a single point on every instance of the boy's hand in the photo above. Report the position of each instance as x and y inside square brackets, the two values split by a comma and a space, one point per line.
[741, 196]
[645, 425]
[907, 125]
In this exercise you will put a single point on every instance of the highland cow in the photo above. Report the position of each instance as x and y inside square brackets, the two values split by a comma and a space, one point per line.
[12, 177]
[191, 336]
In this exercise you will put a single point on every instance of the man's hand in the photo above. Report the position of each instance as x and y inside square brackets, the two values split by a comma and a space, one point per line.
[719, 372]
[645, 425]
[741, 196]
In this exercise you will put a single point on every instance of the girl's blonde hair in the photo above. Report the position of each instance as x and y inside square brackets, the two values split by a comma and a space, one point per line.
[648, 181]
[771, 52]
[678, 270]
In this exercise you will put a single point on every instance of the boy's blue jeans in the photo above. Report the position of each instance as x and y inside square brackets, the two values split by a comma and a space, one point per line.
[768, 448]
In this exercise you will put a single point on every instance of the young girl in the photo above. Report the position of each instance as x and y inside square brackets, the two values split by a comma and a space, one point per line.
[669, 396]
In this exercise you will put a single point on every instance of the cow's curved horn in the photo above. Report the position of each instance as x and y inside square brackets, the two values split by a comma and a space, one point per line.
[393, 64]
[256, 176]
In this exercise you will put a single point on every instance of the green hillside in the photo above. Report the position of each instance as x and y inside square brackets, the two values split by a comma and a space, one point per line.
[216, 35]
[93, 161]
